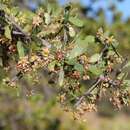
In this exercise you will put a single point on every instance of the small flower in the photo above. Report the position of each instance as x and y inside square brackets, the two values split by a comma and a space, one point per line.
[86, 77]
[76, 75]
[62, 97]
[109, 40]
[37, 20]
[99, 33]
[12, 48]
[45, 51]
[24, 65]
[83, 59]
[59, 55]
[40, 12]
[3, 40]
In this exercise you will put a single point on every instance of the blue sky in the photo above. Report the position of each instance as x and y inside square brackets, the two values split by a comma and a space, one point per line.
[124, 6]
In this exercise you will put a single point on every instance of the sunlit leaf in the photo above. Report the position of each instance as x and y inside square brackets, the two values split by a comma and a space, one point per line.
[52, 65]
[127, 65]
[66, 13]
[76, 21]
[71, 61]
[61, 77]
[95, 70]
[15, 11]
[80, 47]
[79, 67]
[127, 82]
[47, 18]
[8, 32]
[20, 49]
[71, 31]
[94, 58]
[76, 51]
[90, 39]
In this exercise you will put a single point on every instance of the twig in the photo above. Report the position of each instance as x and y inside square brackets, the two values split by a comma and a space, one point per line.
[95, 85]
[20, 31]
[114, 49]
[11, 20]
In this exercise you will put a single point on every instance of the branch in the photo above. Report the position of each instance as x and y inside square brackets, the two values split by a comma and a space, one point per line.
[19, 31]
[94, 86]
[11, 20]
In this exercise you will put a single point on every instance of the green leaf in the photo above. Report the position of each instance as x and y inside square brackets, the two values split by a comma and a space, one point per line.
[49, 8]
[20, 49]
[127, 82]
[94, 58]
[115, 44]
[1, 62]
[80, 47]
[51, 66]
[95, 70]
[61, 77]
[90, 39]
[71, 61]
[76, 51]
[15, 11]
[27, 28]
[29, 13]
[127, 65]
[79, 67]
[66, 13]
[76, 21]
[8, 32]
[71, 32]
[47, 18]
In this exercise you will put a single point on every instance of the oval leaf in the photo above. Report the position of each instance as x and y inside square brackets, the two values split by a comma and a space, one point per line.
[127, 65]
[79, 67]
[94, 58]
[51, 66]
[76, 52]
[95, 70]
[71, 61]
[90, 39]
[80, 47]
[47, 18]
[8, 32]
[71, 31]
[76, 21]
[20, 49]
[61, 77]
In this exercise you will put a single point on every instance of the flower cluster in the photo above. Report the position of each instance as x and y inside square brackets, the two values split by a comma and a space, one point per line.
[104, 38]
[120, 98]
[35, 61]
[83, 109]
